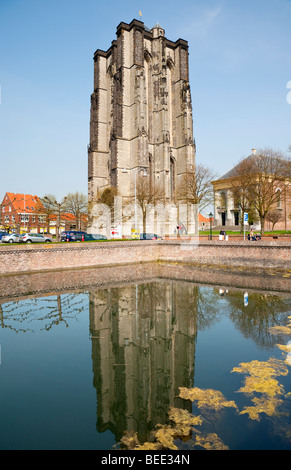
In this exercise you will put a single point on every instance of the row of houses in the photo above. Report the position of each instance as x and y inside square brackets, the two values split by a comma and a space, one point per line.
[22, 213]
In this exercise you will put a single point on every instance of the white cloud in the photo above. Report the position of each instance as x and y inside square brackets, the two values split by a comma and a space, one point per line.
[201, 22]
[211, 15]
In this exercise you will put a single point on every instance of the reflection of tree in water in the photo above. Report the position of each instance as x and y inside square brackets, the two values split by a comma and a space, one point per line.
[207, 312]
[41, 313]
[262, 312]
[199, 302]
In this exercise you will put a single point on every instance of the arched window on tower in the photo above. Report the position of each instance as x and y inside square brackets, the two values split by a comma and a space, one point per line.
[172, 179]
[278, 198]
[170, 69]
[148, 95]
[151, 172]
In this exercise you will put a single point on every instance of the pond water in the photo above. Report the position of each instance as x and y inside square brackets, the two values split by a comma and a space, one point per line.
[161, 363]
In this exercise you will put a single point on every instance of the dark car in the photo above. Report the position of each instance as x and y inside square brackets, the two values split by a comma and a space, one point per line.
[72, 236]
[149, 236]
[75, 236]
[2, 234]
[89, 237]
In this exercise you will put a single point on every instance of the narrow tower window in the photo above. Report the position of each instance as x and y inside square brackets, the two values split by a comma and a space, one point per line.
[172, 178]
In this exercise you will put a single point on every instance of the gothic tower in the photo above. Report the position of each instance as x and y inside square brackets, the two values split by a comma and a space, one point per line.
[141, 112]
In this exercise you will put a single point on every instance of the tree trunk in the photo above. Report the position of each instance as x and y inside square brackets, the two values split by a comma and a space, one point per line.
[262, 220]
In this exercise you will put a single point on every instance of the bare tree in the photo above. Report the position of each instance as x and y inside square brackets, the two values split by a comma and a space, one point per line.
[259, 177]
[196, 187]
[55, 210]
[241, 199]
[274, 216]
[240, 187]
[77, 205]
[107, 197]
[146, 194]
[46, 206]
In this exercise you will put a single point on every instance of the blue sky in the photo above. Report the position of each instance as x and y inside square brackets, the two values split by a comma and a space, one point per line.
[240, 66]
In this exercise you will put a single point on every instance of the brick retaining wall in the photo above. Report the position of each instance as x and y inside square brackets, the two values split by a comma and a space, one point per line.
[34, 258]
[30, 258]
[273, 254]
[18, 286]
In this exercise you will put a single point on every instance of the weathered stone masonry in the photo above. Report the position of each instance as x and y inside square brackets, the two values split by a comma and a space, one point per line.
[141, 112]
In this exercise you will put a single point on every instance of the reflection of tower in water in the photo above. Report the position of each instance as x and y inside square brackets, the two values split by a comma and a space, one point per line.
[143, 346]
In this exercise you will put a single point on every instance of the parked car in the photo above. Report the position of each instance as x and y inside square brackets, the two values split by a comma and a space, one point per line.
[150, 236]
[72, 236]
[11, 238]
[3, 233]
[75, 236]
[34, 238]
[89, 236]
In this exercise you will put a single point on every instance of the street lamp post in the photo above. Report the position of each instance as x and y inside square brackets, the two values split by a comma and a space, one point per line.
[210, 220]
[59, 216]
[24, 221]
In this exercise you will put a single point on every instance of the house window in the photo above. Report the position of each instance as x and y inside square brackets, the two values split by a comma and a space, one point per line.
[24, 218]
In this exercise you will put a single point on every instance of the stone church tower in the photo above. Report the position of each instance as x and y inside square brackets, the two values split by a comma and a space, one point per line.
[141, 112]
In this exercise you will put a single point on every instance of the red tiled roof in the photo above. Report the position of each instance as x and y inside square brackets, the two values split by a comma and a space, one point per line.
[67, 216]
[23, 202]
[201, 218]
